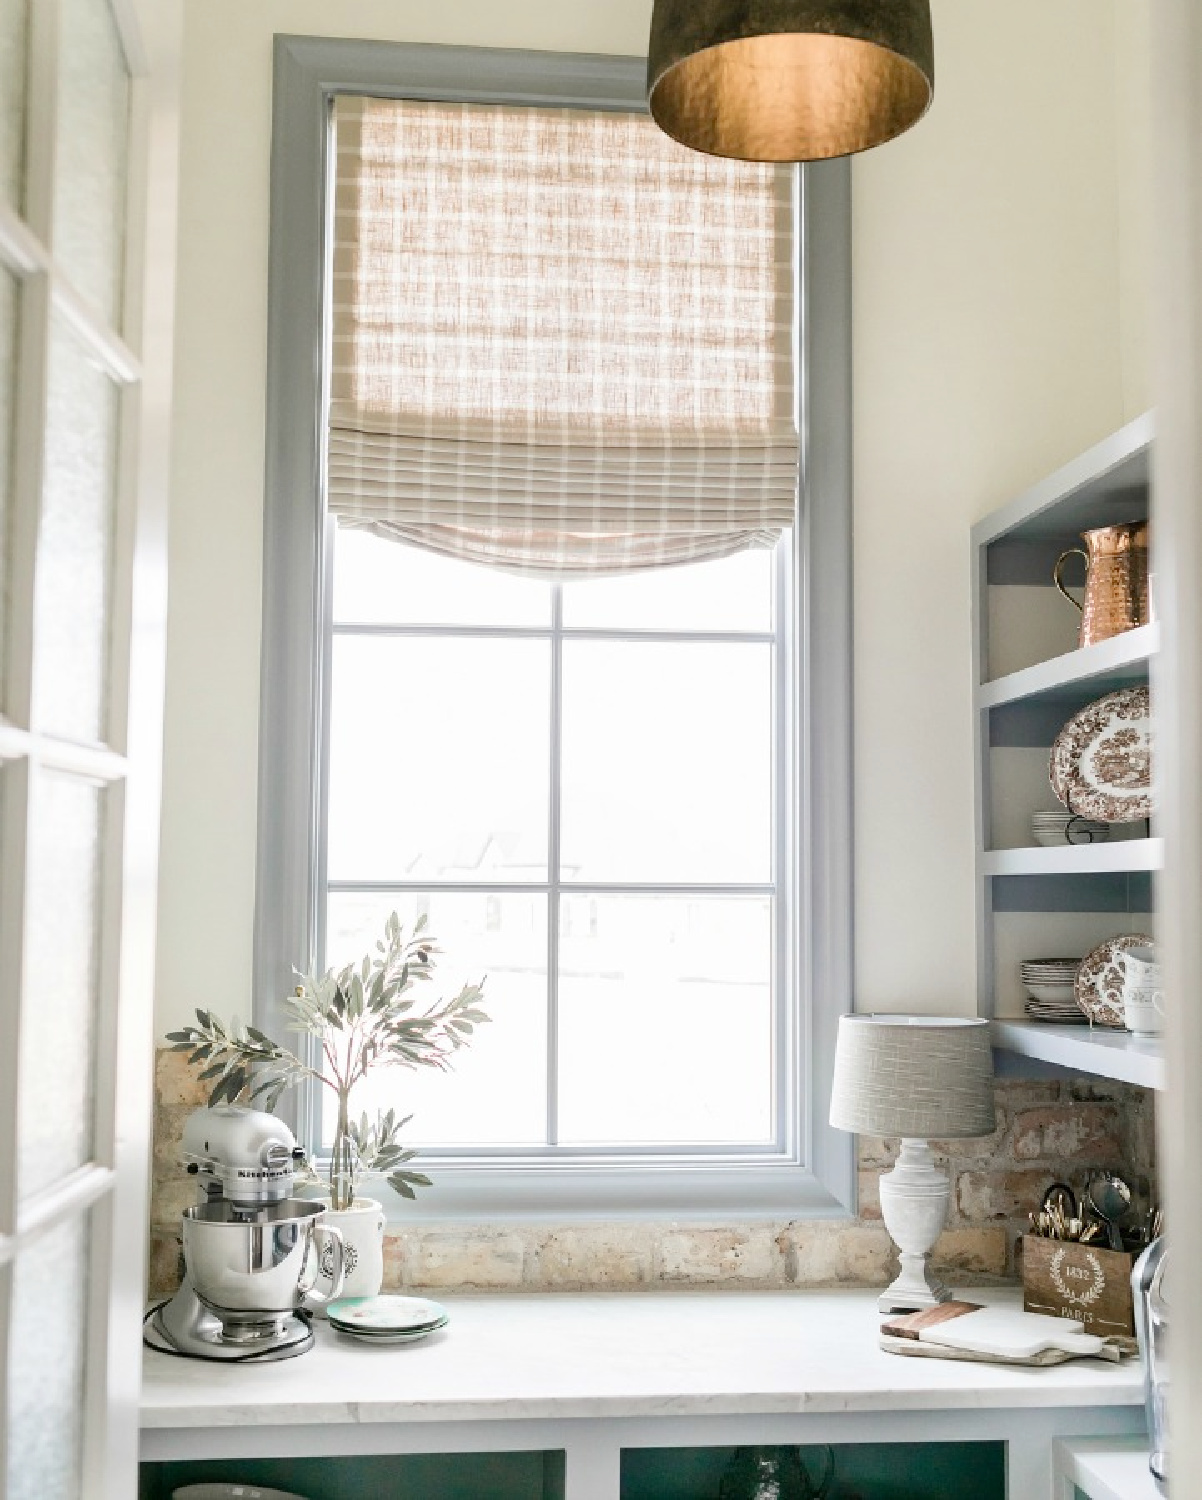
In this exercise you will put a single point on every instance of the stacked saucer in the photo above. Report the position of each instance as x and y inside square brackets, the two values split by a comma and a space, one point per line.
[1055, 829]
[1050, 984]
[386, 1319]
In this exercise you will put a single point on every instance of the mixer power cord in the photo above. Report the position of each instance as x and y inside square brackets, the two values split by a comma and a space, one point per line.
[162, 1346]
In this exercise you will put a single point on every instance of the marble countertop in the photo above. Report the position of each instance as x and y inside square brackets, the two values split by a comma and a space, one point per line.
[598, 1355]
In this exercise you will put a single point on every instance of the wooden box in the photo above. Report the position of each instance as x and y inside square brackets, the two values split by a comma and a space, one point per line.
[1086, 1282]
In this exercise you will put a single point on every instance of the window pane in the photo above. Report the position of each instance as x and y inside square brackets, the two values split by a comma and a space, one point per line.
[58, 1009]
[734, 593]
[438, 759]
[379, 582]
[9, 304]
[14, 43]
[665, 1020]
[667, 760]
[497, 1093]
[93, 134]
[46, 1377]
[75, 543]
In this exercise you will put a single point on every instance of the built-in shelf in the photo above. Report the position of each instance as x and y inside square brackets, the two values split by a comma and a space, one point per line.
[1068, 898]
[1119, 662]
[1121, 857]
[1085, 1049]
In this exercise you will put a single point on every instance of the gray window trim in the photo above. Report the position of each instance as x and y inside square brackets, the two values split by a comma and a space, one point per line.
[817, 1176]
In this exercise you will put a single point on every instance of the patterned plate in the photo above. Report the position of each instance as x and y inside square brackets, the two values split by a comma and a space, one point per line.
[1101, 762]
[1100, 979]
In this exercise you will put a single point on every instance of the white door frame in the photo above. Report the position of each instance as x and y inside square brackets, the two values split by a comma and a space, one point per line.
[1177, 512]
[138, 357]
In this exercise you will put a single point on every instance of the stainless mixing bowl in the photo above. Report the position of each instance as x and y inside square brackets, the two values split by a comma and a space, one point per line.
[251, 1269]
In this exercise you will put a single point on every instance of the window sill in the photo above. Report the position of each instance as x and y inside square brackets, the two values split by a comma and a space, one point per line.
[565, 1195]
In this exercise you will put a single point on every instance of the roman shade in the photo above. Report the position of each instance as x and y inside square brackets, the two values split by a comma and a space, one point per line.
[561, 344]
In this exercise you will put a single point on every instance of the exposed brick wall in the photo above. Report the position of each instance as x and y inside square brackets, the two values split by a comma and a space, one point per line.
[1045, 1131]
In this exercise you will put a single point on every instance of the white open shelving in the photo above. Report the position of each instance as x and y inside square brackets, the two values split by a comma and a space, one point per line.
[1093, 1049]
[1036, 902]
[1119, 858]
[1122, 661]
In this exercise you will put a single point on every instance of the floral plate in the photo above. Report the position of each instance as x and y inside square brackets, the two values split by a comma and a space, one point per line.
[1100, 979]
[1101, 761]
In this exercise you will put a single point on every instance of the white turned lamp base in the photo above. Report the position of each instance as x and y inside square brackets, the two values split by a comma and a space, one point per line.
[914, 1200]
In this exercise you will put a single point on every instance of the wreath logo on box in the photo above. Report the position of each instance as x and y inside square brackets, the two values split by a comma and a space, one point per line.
[1087, 1296]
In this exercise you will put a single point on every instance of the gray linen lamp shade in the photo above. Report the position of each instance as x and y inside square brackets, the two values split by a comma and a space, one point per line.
[921, 1077]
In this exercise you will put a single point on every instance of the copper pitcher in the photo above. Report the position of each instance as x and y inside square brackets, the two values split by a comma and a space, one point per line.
[1116, 580]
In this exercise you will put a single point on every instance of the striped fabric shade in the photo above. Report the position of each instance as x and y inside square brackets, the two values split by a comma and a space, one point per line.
[562, 344]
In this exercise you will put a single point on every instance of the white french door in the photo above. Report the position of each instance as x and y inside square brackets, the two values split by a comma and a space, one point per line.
[88, 95]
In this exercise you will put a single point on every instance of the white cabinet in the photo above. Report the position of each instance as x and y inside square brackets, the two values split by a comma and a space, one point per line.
[1104, 1469]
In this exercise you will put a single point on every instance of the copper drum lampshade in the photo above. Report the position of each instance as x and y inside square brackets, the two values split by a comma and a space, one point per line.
[786, 80]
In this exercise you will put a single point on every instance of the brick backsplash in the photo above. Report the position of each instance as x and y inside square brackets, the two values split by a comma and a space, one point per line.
[1045, 1131]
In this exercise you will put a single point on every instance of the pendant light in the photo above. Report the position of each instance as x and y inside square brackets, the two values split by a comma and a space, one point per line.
[787, 80]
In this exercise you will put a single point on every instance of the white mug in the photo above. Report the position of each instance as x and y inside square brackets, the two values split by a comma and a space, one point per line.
[1143, 1009]
[1140, 968]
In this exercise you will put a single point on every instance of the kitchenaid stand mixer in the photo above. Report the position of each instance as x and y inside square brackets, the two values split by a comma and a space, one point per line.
[251, 1250]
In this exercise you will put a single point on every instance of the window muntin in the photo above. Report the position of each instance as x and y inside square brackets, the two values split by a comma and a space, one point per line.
[595, 815]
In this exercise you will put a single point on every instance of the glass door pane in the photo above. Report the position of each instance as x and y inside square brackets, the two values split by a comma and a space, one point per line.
[9, 305]
[93, 137]
[75, 543]
[14, 49]
[58, 1014]
[46, 1385]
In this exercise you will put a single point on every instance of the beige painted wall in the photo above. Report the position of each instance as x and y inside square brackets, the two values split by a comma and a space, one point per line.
[996, 334]
[991, 337]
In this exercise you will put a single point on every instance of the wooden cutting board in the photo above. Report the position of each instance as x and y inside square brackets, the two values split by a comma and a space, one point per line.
[965, 1330]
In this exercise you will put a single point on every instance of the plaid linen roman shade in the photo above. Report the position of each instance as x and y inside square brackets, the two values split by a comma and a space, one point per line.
[561, 343]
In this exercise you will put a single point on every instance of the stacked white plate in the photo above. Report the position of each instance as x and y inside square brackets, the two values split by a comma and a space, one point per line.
[1052, 830]
[1050, 984]
[386, 1319]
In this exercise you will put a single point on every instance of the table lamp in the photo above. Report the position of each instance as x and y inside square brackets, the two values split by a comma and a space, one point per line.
[921, 1078]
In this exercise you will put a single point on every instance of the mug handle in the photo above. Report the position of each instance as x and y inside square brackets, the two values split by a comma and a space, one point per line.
[1060, 562]
[1158, 1002]
[323, 1235]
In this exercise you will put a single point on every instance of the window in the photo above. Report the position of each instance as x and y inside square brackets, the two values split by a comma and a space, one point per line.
[607, 812]
[582, 785]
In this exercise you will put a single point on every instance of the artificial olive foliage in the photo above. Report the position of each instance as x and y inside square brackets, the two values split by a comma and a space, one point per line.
[364, 1016]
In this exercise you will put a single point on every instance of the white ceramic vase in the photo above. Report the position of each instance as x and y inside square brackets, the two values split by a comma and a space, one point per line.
[362, 1230]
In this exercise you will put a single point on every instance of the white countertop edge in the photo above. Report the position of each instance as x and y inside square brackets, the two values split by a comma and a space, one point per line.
[593, 1408]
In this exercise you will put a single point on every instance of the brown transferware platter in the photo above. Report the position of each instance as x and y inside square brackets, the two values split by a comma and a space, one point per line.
[1101, 761]
[1100, 978]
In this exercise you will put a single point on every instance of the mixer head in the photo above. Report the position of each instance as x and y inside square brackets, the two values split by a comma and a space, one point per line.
[243, 1155]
